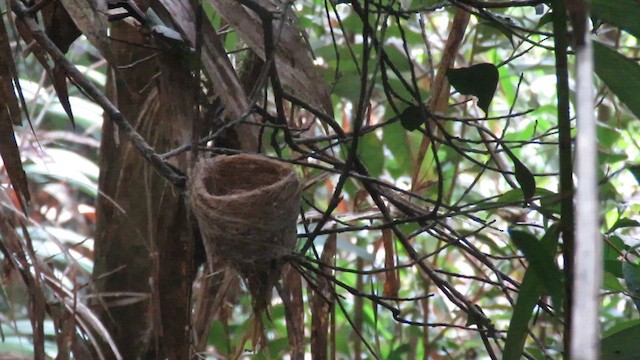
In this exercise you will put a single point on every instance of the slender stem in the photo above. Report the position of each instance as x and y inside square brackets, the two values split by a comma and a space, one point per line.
[566, 161]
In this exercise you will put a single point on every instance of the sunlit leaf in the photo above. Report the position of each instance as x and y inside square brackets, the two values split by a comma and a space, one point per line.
[611, 283]
[624, 223]
[480, 80]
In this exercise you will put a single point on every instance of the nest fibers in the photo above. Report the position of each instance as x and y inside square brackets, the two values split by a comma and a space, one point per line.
[247, 208]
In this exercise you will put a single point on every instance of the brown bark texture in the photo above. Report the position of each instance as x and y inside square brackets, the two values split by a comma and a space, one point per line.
[144, 244]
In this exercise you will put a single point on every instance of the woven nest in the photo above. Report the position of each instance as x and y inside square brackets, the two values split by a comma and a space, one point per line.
[247, 208]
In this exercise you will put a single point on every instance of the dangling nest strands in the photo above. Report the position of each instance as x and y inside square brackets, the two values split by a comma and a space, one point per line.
[247, 209]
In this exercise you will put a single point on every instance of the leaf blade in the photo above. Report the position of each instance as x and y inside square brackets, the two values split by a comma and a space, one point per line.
[480, 80]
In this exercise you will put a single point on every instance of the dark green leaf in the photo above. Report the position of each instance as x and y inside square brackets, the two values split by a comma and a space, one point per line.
[400, 352]
[472, 319]
[622, 345]
[531, 289]
[631, 274]
[524, 177]
[614, 267]
[542, 261]
[621, 13]
[412, 117]
[635, 171]
[620, 74]
[545, 19]
[480, 80]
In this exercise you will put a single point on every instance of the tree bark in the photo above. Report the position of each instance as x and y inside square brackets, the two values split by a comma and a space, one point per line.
[144, 243]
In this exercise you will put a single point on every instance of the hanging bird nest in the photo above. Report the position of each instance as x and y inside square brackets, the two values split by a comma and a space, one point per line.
[247, 209]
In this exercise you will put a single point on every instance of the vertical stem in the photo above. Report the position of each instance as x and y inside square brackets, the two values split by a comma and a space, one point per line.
[566, 163]
[588, 255]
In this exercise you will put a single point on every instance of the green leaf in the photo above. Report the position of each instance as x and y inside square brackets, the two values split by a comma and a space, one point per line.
[480, 80]
[612, 249]
[621, 13]
[623, 223]
[503, 24]
[395, 139]
[531, 289]
[541, 260]
[511, 196]
[412, 117]
[620, 74]
[631, 274]
[400, 352]
[617, 327]
[611, 283]
[371, 151]
[622, 345]
[549, 201]
[524, 177]
[614, 267]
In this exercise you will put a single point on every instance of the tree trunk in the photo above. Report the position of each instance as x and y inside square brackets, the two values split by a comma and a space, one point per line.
[143, 240]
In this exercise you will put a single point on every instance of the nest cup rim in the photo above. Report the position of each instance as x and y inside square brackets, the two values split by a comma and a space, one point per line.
[282, 172]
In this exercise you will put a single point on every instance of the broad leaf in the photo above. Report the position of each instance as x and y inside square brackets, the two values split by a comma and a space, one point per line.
[631, 274]
[480, 80]
[621, 13]
[623, 223]
[620, 74]
[621, 345]
[411, 118]
[541, 260]
[531, 289]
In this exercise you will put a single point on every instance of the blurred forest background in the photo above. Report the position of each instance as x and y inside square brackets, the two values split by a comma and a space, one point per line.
[428, 138]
